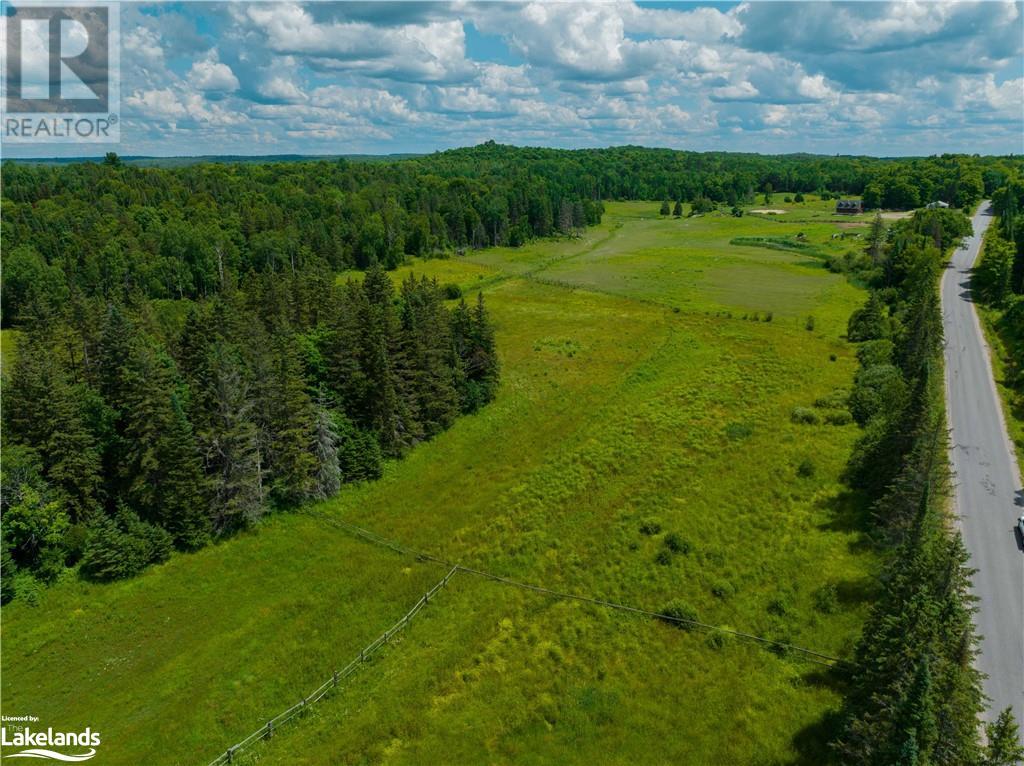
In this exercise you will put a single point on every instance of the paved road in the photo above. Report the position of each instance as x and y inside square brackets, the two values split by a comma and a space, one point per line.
[988, 486]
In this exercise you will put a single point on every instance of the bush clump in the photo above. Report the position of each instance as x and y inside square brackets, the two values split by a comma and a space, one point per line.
[804, 415]
[838, 418]
[679, 614]
[650, 527]
[826, 599]
[451, 291]
[833, 401]
[806, 469]
[677, 544]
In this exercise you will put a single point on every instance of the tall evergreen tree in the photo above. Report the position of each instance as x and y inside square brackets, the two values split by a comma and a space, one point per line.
[231, 447]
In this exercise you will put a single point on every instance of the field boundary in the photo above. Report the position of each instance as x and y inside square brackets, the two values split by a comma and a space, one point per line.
[267, 730]
[810, 655]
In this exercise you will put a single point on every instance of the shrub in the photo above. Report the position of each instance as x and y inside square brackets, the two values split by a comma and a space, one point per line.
[806, 469]
[663, 557]
[778, 607]
[874, 352]
[835, 400]
[359, 455]
[798, 197]
[737, 431]
[721, 589]
[826, 599]
[877, 389]
[809, 324]
[679, 610]
[838, 418]
[804, 415]
[123, 546]
[650, 527]
[787, 199]
[451, 291]
[676, 544]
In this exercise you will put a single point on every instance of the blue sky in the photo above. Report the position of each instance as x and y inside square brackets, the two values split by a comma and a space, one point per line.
[380, 77]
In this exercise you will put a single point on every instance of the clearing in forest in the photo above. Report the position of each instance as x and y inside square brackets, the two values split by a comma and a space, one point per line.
[641, 449]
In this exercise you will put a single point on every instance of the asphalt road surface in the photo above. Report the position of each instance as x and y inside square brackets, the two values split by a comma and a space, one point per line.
[988, 486]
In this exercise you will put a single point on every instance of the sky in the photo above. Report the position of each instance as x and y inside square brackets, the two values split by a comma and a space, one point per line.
[885, 79]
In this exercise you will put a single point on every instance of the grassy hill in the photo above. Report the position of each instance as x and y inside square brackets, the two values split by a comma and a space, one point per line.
[640, 398]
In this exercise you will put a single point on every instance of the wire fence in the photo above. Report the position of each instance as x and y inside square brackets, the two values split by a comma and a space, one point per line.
[267, 730]
[809, 654]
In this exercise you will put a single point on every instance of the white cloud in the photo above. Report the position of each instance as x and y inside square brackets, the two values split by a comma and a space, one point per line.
[211, 75]
[281, 89]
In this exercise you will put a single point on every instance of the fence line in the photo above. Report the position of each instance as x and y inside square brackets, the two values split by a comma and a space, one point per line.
[810, 654]
[267, 730]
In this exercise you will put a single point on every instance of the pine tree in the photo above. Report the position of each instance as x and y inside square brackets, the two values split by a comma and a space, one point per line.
[665, 208]
[426, 335]
[293, 463]
[677, 211]
[1004, 747]
[385, 407]
[230, 443]
[164, 476]
[43, 410]
[328, 475]
[184, 506]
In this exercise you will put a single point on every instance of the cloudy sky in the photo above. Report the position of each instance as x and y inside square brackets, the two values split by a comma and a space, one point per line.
[380, 77]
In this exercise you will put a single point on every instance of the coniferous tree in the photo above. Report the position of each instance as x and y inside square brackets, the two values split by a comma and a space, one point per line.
[425, 326]
[328, 475]
[231, 446]
[1004, 747]
[163, 473]
[293, 424]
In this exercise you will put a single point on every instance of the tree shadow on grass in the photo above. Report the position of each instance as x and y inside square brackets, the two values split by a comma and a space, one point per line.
[812, 741]
[848, 512]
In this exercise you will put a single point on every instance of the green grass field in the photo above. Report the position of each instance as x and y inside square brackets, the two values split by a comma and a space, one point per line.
[638, 391]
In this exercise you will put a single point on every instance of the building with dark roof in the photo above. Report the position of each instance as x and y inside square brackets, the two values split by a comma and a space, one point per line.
[849, 206]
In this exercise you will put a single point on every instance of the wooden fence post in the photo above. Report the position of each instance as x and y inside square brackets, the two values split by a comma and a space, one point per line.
[335, 677]
[270, 729]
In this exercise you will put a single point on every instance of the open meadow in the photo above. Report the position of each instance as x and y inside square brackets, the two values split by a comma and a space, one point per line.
[642, 449]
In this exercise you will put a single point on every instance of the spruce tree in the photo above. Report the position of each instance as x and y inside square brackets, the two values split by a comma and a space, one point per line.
[234, 461]
[293, 442]
[1004, 747]
[164, 476]
[328, 473]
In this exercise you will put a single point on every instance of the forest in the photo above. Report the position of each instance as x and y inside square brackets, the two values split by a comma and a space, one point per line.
[114, 230]
[130, 432]
[188, 361]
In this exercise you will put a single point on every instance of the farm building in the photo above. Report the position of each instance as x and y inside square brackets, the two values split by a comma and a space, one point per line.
[937, 204]
[849, 206]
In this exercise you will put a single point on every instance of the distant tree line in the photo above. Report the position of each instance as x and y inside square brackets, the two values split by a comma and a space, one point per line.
[914, 696]
[110, 229]
[134, 428]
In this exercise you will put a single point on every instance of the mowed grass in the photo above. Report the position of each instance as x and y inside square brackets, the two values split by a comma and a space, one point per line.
[622, 407]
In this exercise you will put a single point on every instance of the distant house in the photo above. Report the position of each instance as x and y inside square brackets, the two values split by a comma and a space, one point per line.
[849, 206]
[937, 204]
